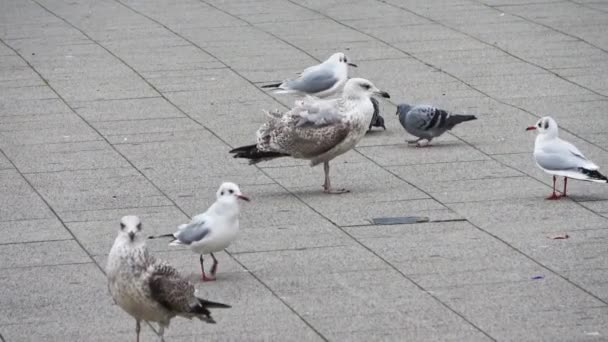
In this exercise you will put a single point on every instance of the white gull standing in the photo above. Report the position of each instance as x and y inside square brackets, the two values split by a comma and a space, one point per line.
[148, 289]
[213, 230]
[320, 80]
[318, 130]
[560, 158]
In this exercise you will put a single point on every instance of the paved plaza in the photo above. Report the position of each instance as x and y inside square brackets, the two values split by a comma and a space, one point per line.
[116, 107]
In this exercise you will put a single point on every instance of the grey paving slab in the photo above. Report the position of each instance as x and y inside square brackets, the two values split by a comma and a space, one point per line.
[33, 230]
[19, 200]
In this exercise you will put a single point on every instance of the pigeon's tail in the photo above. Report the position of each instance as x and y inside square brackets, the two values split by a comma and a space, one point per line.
[274, 85]
[455, 119]
[201, 310]
[161, 236]
[594, 176]
[254, 155]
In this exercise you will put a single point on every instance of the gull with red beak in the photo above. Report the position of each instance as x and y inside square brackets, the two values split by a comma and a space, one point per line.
[213, 230]
[560, 158]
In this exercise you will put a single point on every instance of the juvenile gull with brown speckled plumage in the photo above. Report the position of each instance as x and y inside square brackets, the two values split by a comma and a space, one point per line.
[316, 129]
[149, 289]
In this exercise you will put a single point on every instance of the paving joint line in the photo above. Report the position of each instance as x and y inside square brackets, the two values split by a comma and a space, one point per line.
[499, 9]
[196, 121]
[393, 267]
[454, 77]
[34, 241]
[256, 277]
[29, 183]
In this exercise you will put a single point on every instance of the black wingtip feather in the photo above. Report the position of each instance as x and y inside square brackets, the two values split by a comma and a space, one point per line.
[594, 174]
[274, 85]
[161, 236]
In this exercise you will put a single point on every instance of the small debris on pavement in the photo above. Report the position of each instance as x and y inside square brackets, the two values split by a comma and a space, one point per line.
[537, 277]
[562, 236]
[399, 220]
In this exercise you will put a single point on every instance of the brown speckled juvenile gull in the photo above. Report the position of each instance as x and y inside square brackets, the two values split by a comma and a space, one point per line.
[315, 129]
[148, 289]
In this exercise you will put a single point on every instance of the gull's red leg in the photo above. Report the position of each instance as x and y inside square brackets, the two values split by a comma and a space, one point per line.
[565, 185]
[554, 195]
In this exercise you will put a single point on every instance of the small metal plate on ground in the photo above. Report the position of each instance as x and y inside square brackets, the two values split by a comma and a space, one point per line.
[399, 220]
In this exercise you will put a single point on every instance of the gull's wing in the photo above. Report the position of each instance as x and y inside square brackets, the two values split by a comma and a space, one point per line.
[193, 231]
[314, 81]
[168, 288]
[559, 155]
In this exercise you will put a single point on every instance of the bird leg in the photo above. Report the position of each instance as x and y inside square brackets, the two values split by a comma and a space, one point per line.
[161, 333]
[565, 185]
[137, 330]
[214, 267]
[327, 185]
[554, 195]
[205, 277]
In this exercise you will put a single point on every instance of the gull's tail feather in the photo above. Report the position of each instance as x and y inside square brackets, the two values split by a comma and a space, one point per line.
[201, 310]
[455, 119]
[161, 236]
[274, 85]
[254, 155]
[594, 176]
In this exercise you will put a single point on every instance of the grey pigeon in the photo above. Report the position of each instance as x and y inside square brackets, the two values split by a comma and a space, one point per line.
[148, 289]
[428, 122]
[335, 127]
[377, 120]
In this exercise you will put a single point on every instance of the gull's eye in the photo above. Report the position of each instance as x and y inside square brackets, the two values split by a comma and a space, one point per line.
[139, 226]
[539, 125]
[365, 86]
[231, 191]
[122, 226]
[345, 59]
[222, 193]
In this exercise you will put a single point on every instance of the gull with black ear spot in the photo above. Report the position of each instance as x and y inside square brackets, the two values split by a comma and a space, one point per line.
[558, 157]
[213, 230]
[148, 289]
[321, 80]
[315, 129]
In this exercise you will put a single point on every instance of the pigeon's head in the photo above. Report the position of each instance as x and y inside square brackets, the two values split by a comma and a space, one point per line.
[362, 88]
[230, 193]
[130, 228]
[339, 57]
[403, 108]
[545, 126]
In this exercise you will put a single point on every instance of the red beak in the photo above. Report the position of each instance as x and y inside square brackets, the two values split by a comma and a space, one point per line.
[531, 128]
[243, 197]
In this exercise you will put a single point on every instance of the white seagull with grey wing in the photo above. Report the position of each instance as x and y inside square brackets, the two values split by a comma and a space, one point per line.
[148, 289]
[320, 80]
[560, 158]
[213, 230]
[318, 130]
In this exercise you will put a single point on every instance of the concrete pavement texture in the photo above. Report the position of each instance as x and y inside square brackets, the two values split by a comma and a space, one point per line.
[119, 107]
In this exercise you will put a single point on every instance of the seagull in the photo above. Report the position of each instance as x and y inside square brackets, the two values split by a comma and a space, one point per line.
[315, 129]
[428, 122]
[558, 157]
[149, 289]
[319, 80]
[213, 230]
